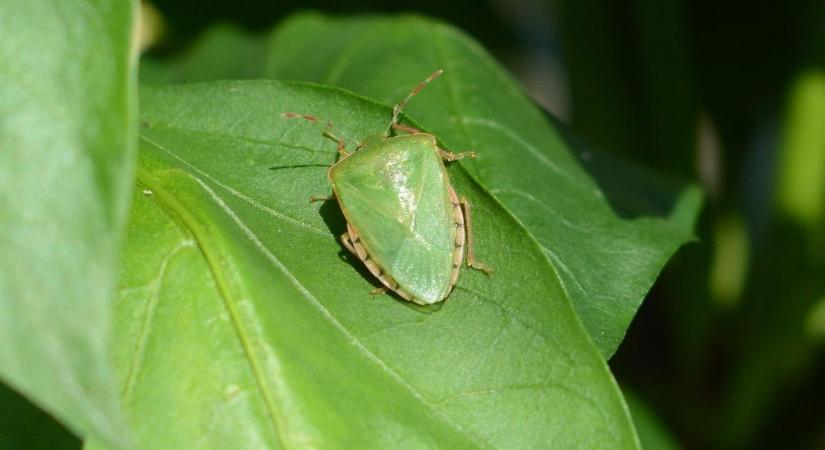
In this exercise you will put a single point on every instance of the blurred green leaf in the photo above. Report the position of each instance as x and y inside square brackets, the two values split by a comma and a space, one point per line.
[222, 52]
[631, 81]
[801, 170]
[775, 346]
[607, 244]
[729, 267]
[23, 426]
[241, 315]
[815, 320]
[66, 155]
[652, 433]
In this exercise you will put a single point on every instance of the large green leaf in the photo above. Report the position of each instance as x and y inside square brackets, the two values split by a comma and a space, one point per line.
[66, 156]
[243, 323]
[607, 228]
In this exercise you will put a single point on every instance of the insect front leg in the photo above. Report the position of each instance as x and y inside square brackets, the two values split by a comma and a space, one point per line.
[468, 226]
[321, 198]
[342, 148]
[448, 156]
[406, 129]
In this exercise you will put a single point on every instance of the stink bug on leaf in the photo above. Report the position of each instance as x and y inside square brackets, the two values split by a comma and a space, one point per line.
[404, 219]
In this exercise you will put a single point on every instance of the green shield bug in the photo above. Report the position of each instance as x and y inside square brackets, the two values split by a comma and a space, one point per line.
[404, 219]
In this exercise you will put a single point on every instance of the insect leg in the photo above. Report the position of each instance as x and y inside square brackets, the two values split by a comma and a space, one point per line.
[449, 156]
[321, 198]
[379, 290]
[468, 225]
[405, 129]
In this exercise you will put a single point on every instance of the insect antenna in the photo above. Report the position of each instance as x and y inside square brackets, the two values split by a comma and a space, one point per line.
[396, 110]
[328, 131]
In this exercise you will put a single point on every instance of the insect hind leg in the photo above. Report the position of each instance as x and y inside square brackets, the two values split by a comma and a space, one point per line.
[468, 226]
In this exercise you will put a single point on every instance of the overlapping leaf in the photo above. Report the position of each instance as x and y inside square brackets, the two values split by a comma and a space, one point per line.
[66, 155]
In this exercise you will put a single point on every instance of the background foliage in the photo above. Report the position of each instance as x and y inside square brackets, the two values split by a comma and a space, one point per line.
[725, 352]
[66, 147]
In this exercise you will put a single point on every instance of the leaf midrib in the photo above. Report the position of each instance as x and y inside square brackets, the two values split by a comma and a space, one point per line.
[171, 207]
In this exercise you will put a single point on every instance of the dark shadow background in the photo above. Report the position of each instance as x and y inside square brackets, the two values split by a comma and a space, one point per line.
[722, 349]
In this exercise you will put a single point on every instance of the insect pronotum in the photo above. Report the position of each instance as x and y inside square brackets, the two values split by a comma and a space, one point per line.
[404, 219]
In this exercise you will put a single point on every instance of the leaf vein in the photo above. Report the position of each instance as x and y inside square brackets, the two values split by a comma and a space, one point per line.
[254, 203]
[148, 316]
[328, 316]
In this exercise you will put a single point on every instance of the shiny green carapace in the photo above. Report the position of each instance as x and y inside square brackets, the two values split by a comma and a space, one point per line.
[404, 220]
[397, 199]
